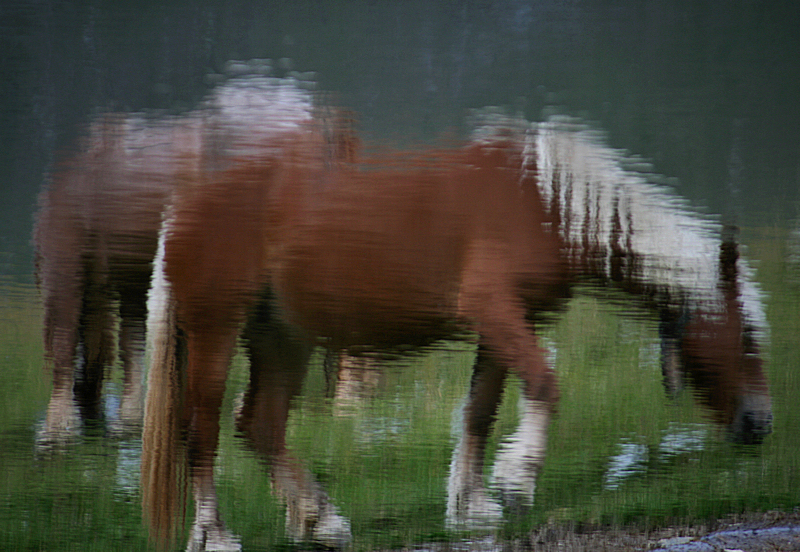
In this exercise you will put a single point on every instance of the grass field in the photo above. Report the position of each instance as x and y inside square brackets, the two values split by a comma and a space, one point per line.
[620, 452]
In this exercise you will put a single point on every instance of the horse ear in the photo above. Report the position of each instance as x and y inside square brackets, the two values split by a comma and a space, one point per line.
[728, 257]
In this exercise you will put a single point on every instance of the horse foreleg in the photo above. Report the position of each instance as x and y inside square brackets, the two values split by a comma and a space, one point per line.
[488, 298]
[521, 456]
[468, 502]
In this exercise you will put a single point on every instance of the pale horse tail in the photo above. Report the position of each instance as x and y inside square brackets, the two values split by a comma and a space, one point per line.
[164, 460]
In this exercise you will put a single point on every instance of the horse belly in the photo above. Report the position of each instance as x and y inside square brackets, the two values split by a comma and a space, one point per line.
[373, 288]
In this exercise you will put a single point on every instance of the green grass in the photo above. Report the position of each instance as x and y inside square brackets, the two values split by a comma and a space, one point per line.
[384, 460]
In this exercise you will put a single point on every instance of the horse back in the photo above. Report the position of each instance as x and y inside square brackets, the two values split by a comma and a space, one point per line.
[383, 255]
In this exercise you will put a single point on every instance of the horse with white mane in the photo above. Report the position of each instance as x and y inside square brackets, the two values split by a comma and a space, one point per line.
[295, 242]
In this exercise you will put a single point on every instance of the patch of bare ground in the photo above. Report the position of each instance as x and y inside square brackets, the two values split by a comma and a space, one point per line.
[765, 532]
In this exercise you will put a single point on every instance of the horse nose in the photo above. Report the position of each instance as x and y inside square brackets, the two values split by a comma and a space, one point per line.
[756, 426]
[753, 420]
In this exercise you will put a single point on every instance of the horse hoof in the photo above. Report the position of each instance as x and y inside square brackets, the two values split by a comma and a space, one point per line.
[62, 425]
[332, 530]
[474, 510]
[212, 538]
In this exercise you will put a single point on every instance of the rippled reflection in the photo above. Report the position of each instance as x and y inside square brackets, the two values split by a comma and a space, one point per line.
[266, 222]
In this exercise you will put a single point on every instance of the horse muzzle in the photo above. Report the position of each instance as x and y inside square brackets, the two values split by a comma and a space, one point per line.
[753, 420]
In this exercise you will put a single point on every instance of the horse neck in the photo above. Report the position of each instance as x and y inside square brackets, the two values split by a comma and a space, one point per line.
[619, 228]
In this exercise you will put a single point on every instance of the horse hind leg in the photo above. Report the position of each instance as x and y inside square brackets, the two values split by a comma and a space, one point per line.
[208, 532]
[208, 357]
[80, 342]
[278, 364]
[63, 290]
[180, 432]
[62, 419]
[97, 350]
[131, 344]
[132, 287]
[670, 329]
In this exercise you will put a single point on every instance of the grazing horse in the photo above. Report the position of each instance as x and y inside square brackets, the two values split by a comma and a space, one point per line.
[96, 235]
[295, 243]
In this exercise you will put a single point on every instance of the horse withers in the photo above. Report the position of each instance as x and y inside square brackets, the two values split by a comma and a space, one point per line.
[293, 245]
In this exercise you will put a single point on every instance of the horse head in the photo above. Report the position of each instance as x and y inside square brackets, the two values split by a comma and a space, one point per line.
[717, 347]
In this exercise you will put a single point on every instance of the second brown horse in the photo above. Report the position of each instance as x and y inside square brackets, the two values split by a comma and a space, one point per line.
[302, 245]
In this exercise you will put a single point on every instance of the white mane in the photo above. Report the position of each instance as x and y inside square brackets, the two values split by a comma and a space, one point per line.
[241, 117]
[601, 195]
[600, 200]
[248, 112]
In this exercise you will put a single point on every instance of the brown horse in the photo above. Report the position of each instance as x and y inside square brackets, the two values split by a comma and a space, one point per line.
[96, 234]
[302, 246]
